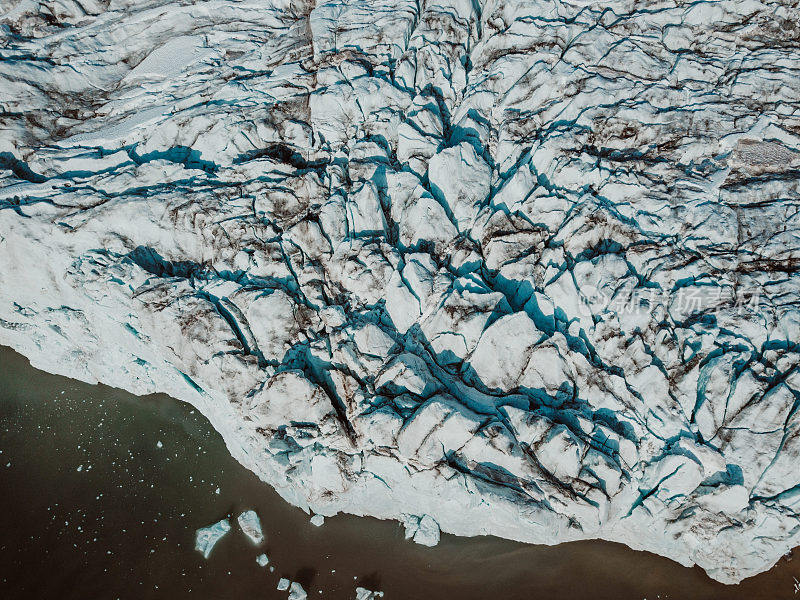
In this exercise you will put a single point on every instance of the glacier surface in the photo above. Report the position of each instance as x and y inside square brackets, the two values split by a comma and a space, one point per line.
[526, 268]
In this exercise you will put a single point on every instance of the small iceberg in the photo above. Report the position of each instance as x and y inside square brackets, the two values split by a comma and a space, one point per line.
[207, 537]
[317, 520]
[296, 592]
[251, 526]
[365, 594]
[262, 560]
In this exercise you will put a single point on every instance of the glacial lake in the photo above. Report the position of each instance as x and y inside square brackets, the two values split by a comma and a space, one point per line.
[102, 492]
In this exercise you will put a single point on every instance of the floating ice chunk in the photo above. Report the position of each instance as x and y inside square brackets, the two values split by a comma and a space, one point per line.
[283, 584]
[365, 594]
[207, 537]
[317, 520]
[251, 526]
[159, 444]
[262, 560]
[296, 592]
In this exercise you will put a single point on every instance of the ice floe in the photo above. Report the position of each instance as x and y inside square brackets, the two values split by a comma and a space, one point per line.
[207, 537]
[250, 525]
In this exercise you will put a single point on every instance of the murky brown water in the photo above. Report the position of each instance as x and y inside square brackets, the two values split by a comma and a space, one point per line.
[92, 509]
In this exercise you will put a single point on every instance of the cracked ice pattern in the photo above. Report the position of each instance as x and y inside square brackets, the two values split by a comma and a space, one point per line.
[384, 246]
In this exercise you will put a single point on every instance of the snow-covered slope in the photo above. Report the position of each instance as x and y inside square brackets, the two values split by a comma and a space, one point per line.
[524, 268]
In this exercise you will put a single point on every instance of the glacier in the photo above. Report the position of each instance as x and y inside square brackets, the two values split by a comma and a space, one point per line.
[517, 268]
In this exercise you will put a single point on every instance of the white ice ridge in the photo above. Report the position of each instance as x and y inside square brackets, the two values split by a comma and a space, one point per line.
[526, 268]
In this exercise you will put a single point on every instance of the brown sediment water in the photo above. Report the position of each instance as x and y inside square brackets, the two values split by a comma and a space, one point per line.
[102, 492]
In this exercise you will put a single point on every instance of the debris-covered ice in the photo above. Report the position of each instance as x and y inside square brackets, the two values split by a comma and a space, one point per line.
[207, 537]
[250, 525]
[524, 268]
